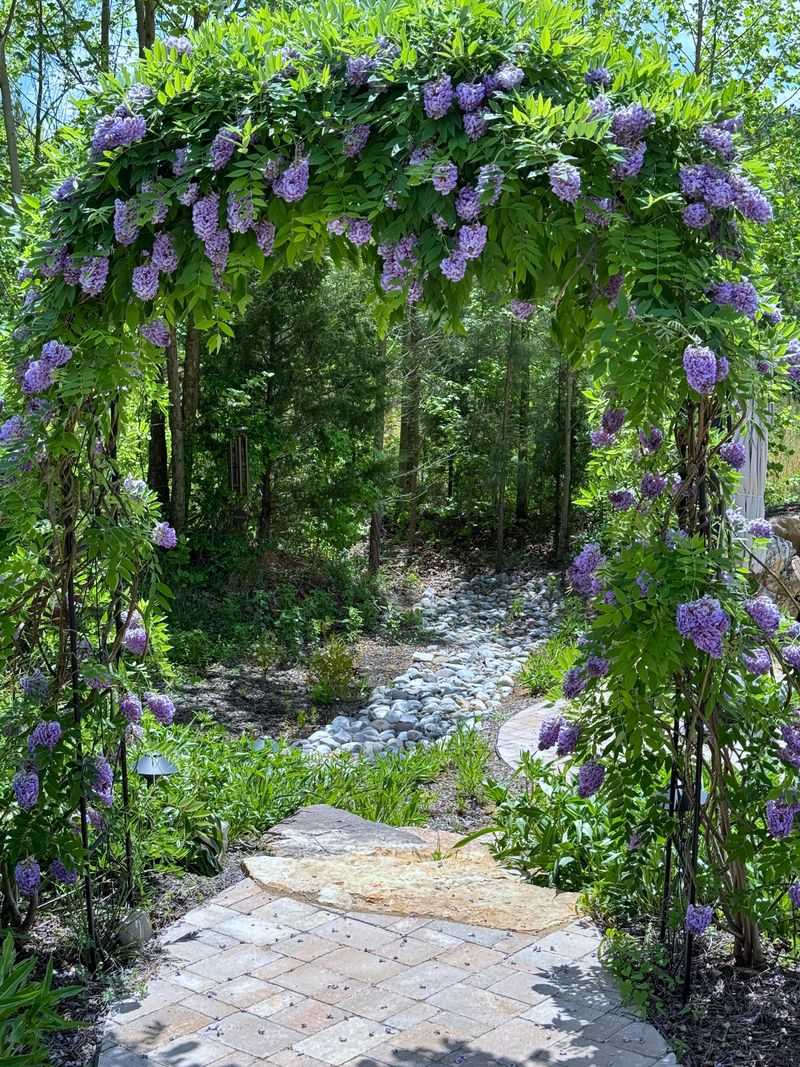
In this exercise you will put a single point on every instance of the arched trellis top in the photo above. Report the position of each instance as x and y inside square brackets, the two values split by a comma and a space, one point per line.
[443, 144]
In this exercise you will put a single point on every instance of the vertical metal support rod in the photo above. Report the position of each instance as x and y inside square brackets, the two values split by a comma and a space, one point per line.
[69, 542]
[695, 841]
[673, 785]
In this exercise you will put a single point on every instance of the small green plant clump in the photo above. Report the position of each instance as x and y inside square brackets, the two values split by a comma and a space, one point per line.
[333, 673]
[641, 965]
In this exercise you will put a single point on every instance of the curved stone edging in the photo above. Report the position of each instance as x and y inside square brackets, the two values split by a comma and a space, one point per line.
[520, 733]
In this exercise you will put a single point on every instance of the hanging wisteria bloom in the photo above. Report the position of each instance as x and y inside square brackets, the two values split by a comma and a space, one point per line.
[630, 124]
[631, 163]
[704, 623]
[27, 875]
[337, 227]
[599, 107]
[103, 781]
[565, 181]
[760, 528]
[621, 499]
[126, 221]
[568, 737]
[734, 454]
[358, 69]
[355, 140]
[437, 97]
[163, 256]
[182, 45]
[265, 236]
[575, 681]
[597, 666]
[223, 146]
[548, 731]
[359, 231]
[653, 485]
[600, 214]
[613, 419]
[758, 661]
[55, 354]
[156, 332]
[598, 76]
[217, 247]
[179, 162]
[590, 778]
[643, 580]
[454, 266]
[163, 535]
[718, 140]
[131, 708]
[144, 282]
[472, 240]
[36, 685]
[508, 77]
[66, 190]
[135, 641]
[190, 194]
[601, 438]
[468, 203]
[764, 614]
[60, 873]
[794, 894]
[161, 706]
[700, 366]
[791, 655]
[470, 95]
[44, 735]
[475, 124]
[292, 185]
[698, 918]
[696, 216]
[582, 571]
[240, 212]
[37, 378]
[444, 177]
[25, 784]
[780, 818]
[521, 309]
[93, 275]
[117, 131]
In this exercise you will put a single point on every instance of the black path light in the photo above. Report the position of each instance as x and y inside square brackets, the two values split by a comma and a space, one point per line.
[151, 768]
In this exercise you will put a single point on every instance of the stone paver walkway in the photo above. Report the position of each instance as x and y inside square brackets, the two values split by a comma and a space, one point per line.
[250, 978]
[521, 732]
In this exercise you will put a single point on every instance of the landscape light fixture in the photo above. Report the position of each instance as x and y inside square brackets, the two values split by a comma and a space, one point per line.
[151, 768]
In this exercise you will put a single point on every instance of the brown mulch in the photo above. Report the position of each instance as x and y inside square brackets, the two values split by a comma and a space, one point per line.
[735, 1018]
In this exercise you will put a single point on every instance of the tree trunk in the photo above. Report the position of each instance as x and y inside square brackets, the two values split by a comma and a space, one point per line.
[177, 463]
[145, 24]
[523, 434]
[376, 519]
[9, 122]
[265, 516]
[562, 544]
[502, 452]
[105, 34]
[190, 403]
[157, 459]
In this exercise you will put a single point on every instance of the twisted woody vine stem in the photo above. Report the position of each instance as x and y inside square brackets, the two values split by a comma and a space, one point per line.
[444, 146]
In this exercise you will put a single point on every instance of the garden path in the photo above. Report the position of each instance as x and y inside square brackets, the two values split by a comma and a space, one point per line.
[520, 733]
[257, 976]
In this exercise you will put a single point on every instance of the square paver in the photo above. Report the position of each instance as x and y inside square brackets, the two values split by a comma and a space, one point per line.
[157, 1027]
[479, 935]
[344, 1040]
[489, 976]
[517, 1040]
[117, 1056]
[189, 949]
[208, 915]
[274, 1002]
[522, 985]
[471, 957]
[641, 1038]
[352, 933]
[287, 1057]
[241, 959]
[248, 1033]
[305, 946]
[477, 1004]
[254, 931]
[244, 991]
[365, 966]
[422, 981]
[194, 983]
[294, 913]
[379, 1005]
[309, 1016]
[234, 893]
[427, 1041]
[190, 1051]
[566, 1014]
[569, 943]
[280, 965]
[407, 924]
[416, 1012]
[317, 981]
[159, 993]
[208, 1004]
[413, 950]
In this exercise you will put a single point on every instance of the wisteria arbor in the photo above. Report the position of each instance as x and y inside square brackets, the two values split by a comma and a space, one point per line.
[446, 145]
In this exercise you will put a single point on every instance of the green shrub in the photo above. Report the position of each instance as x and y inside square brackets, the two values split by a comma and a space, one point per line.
[469, 752]
[332, 672]
[543, 671]
[27, 1009]
[642, 966]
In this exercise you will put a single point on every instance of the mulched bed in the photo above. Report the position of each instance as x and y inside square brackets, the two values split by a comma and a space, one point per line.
[735, 1018]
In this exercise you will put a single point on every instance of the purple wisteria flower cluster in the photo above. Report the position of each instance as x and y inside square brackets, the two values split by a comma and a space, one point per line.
[779, 816]
[437, 97]
[702, 368]
[156, 332]
[611, 423]
[704, 623]
[598, 76]
[758, 661]
[521, 309]
[161, 706]
[565, 181]
[93, 275]
[38, 375]
[181, 45]
[575, 681]
[444, 177]
[582, 573]
[126, 221]
[742, 295]
[28, 876]
[590, 778]
[223, 146]
[25, 785]
[558, 731]
[790, 732]
[45, 735]
[117, 131]
[131, 708]
[698, 918]
[764, 613]
[399, 259]
[163, 535]
[355, 139]
[709, 189]
[629, 125]
[651, 441]
[734, 454]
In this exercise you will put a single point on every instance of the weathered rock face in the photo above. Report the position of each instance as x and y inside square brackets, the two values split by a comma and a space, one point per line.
[787, 527]
[326, 856]
[778, 572]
